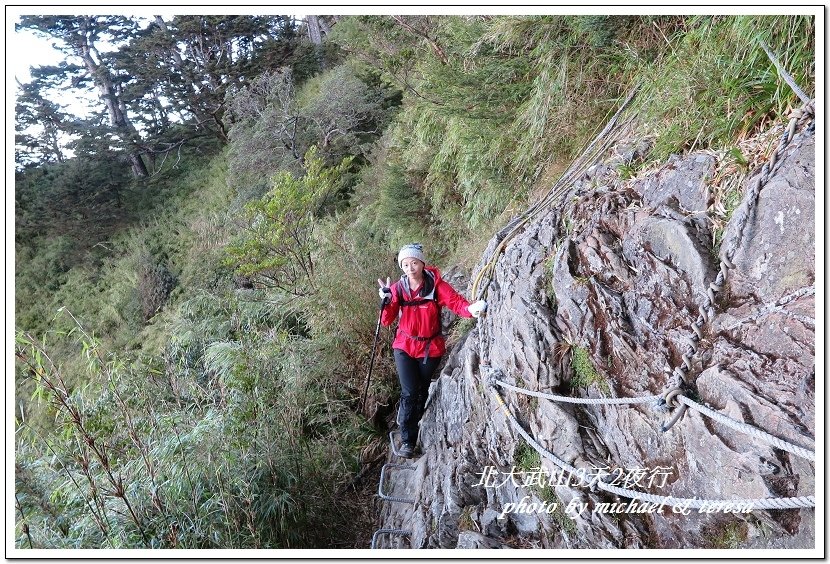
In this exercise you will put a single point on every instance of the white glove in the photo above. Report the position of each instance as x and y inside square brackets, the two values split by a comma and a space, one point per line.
[384, 291]
[477, 308]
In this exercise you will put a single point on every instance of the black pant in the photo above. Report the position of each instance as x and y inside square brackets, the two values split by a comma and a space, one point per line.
[414, 375]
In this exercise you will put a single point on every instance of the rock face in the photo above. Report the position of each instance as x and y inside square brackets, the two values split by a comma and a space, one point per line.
[619, 282]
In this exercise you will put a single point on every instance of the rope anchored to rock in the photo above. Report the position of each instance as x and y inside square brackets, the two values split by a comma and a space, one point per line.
[599, 482]
[678, 379]
[567, 399]
[674, 398]
[748, 429]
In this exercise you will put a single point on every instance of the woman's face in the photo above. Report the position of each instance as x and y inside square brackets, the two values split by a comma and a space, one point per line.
[412, 267]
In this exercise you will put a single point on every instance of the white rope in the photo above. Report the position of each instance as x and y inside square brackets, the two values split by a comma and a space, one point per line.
[585, 401]
[748, 429]
[695, 503]
[707, 312]
[713, 504]
[559, 188]
[719, 417]
[545, 452]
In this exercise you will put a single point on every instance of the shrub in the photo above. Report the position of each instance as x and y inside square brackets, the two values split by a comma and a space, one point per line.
[155, 283]
[276, 245]
[585, 374]
[344, 115]
[526, 458]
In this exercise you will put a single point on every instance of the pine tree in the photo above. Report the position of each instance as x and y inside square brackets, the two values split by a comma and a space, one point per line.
[79, 37]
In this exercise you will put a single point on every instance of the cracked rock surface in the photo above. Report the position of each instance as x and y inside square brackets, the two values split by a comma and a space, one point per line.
[620, 283]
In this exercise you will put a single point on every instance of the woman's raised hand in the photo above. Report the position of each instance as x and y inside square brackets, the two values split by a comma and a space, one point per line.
[385, 292]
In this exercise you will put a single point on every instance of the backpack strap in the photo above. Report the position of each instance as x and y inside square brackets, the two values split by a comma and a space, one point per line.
[427, 339]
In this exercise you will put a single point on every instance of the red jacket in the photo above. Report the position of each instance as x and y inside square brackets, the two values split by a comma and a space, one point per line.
[420, 323]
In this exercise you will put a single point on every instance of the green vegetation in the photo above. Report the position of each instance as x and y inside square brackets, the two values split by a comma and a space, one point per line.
[731, 201]
[533, 404]
[277, 238]
[728, 536]
[460, 328]
[526, 458]
[585, 374]
[195, 296]
[562, 520]
[716, 83]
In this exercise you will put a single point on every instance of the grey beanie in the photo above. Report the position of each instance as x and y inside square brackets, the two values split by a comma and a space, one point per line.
[415, 250]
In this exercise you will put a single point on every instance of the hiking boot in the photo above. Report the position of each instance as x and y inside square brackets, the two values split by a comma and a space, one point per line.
[407, 450]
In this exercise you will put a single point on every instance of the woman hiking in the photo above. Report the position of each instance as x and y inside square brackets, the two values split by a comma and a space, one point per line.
[419, 345]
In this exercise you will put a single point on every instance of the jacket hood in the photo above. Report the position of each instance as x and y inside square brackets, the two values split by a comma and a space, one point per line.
[432, 277]
[435, 272]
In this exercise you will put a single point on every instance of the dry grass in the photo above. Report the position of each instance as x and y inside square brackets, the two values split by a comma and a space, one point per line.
[733, 167]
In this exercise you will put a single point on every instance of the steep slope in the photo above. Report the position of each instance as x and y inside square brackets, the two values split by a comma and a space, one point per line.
[619, 270]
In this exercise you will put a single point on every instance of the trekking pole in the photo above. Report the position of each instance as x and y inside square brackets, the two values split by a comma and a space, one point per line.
[372, 360]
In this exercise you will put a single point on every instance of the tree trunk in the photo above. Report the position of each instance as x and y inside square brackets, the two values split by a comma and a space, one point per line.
[324, 27]
[314, 32]
[177, 58]
[115, 107]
